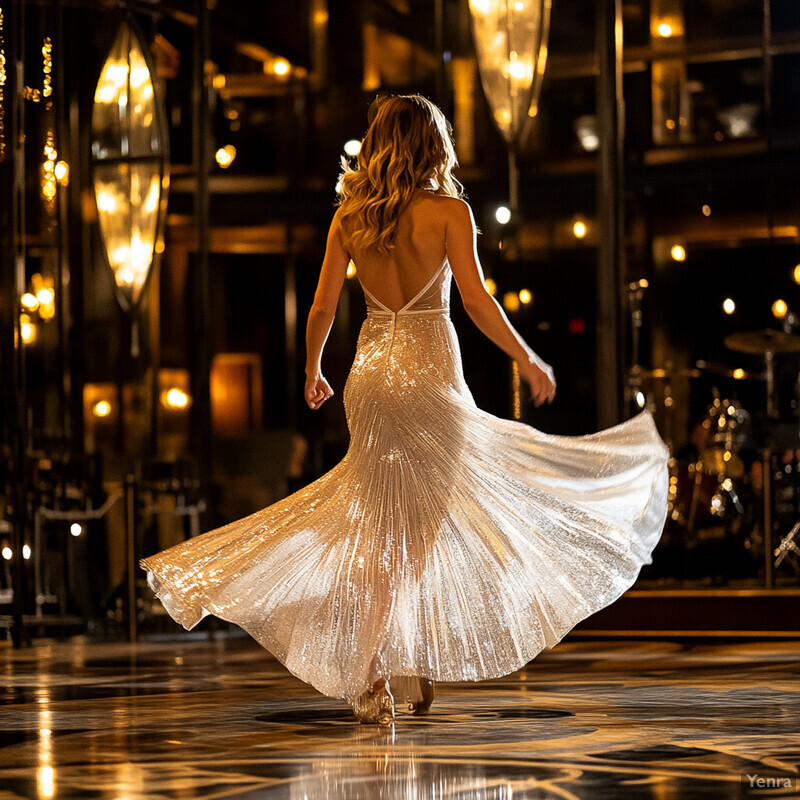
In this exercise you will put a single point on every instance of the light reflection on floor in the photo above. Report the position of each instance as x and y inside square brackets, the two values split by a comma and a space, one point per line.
[198, 718]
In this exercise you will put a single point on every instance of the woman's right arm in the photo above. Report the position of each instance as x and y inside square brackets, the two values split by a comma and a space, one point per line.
[483, 309]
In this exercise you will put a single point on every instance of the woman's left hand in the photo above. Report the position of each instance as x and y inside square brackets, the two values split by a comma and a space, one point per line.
[317, 391]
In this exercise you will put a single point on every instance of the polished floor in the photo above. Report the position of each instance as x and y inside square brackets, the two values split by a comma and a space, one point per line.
[200, 718]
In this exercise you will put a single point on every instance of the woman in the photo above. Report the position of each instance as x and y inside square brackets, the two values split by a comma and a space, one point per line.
[448, 544]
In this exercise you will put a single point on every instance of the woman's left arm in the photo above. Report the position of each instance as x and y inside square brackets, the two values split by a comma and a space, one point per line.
[320, 317]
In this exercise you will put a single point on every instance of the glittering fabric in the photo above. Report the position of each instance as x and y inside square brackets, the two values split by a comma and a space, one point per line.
[447, 543]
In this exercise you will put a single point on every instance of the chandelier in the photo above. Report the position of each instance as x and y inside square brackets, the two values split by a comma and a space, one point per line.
[129, 162]
[511, 45]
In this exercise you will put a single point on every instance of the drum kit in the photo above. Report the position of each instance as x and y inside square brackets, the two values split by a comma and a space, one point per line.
[736, 487]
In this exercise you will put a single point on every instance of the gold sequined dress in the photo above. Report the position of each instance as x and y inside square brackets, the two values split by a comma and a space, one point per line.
[447, 543]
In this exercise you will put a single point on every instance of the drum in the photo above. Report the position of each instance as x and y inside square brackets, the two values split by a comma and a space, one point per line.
[703, 492]
[699, 496]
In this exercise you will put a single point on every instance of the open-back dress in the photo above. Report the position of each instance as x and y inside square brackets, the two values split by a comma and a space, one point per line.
[447, 543]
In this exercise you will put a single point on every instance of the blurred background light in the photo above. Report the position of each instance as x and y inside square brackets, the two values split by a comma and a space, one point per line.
[511, 301]
[225, 156]
[779, 309]
[503, 215]
[678, 252]
[580, 228]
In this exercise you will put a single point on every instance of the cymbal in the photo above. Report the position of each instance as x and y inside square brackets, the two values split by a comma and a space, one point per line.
[702, 368]
[760, 342]
[724, 371]
[662, 373]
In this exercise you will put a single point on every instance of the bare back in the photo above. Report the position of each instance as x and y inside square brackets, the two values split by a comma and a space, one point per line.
[397, 277]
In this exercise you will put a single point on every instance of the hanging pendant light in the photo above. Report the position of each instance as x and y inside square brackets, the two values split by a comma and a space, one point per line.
[129, 161]
[511, 45]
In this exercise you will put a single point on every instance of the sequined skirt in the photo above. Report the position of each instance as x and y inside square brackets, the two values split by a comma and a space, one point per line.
[447, 543]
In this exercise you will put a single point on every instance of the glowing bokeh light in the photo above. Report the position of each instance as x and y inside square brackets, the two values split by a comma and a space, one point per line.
[511, 301]
[503, 215]
[225, 156]
[579, 229]
[102, 408]
[678, 252]
[176, 398]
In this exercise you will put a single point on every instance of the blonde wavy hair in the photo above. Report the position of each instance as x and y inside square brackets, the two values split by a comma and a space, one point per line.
[408, 146]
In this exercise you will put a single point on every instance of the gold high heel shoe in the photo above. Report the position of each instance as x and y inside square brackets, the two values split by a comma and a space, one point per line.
[421, 708]
[376, 706]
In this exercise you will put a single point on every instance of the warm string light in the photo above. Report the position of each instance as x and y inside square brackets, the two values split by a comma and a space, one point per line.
[47, 69]
[50, 155]
[36, 95]
[48, 168]
[48, 172]
[2, 90]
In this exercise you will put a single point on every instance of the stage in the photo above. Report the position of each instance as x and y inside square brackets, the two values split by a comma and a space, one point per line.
[199, 717]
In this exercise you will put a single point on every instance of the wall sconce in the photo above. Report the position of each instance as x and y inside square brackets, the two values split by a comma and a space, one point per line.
[129, 163]
[511, 45]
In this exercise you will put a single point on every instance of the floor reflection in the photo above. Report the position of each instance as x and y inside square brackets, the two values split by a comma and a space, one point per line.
[410, 777]
[194, 718]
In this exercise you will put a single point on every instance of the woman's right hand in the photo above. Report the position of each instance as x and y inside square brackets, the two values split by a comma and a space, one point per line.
[541, 379]
[317, 391]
